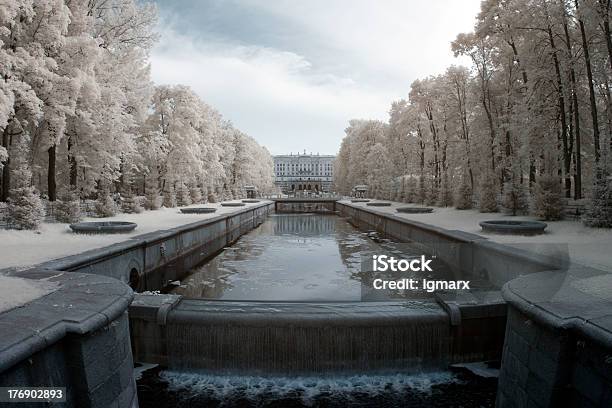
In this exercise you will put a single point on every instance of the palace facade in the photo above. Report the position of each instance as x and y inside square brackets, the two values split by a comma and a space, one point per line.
[304, 172]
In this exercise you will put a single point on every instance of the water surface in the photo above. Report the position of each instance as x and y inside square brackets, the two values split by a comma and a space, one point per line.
[302, 257]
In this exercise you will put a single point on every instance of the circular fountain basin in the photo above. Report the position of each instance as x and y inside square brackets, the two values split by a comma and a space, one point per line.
[103, 227]
[360, 200]
[232, 204]
[379, 204]
[250, 201]
[414, 210]
[198, 210]
[514, 227]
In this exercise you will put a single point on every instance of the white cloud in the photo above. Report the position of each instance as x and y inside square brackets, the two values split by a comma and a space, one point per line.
[359, 56]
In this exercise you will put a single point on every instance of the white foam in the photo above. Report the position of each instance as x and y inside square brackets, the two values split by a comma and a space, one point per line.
[308, 388]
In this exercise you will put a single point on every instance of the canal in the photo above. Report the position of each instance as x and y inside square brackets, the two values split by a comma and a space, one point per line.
[305, 257]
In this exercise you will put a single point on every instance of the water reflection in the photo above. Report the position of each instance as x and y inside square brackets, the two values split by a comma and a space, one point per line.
[300, 257]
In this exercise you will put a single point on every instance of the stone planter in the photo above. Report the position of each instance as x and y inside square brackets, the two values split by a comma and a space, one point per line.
[198, 210]
[360, 200]
[514, 227]
[103, 227]
[250, 201]
[233, 204]
[414, 210]
[379, 204]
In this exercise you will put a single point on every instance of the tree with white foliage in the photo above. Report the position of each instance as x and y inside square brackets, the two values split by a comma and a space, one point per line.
[25, 208]
[75, 76]
[68, 207]
[515, 197]
[487, 195]
[130, 203]
[548, 204]
[105, 205]
[599, 210]
[463, 195]
[152, 197]
[169, 196]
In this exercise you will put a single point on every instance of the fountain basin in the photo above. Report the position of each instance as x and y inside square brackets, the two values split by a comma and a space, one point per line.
[360, 200]
[250, 201]
[233, 204]
[103, 227]
[198, 210]
[379, 204]
[414, 210]
[513, 227]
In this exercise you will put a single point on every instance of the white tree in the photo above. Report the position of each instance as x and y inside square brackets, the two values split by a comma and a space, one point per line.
[548, 203]
[599, 211]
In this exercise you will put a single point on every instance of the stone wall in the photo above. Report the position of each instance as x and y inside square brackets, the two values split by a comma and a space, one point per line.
[151, 261]
[558, 345]
[76, 337]
[470, 255]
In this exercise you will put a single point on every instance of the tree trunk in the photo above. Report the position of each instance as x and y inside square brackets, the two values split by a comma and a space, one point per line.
[587, 62]
[567, 154]
[6, 169]
[51, 185]
[73, 164]
[576, 111]
[491, 128]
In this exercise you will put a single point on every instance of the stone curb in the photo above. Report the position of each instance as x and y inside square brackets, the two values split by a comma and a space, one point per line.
[66, 310]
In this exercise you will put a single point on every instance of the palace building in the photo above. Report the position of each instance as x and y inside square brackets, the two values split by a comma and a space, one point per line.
[304, 172]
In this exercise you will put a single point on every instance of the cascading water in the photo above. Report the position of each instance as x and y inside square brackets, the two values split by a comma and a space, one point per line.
[310, 339]
[284, 320]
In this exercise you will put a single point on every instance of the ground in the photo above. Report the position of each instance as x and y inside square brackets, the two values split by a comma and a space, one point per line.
[56, 240]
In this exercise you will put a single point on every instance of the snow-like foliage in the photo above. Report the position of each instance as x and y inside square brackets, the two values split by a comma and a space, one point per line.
[432, 190]
[445, 193]
[183, 196]
[211, 195]
[548, 203]
[169, 195]
[488, 194]
[130, 203]
[3, 156]
[68, 207]
[599, 211]
[76, 75]
[152, 197]
[105, 205]
[196, 194]
[463, 195]
[515, 197]
[530, 102]
[410, 190]
[25, 208]
[421, 191]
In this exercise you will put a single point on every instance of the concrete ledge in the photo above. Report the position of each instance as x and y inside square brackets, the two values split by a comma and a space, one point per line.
[579, 299]
[82, 304]
[79, 261]
[75, 337]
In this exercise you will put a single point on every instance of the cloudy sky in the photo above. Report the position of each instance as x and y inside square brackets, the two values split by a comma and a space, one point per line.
[292, 73]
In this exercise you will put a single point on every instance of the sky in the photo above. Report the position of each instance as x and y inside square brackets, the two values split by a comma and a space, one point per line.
[292, 73]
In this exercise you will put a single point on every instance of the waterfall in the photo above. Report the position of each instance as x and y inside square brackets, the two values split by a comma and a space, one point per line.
[332, 338]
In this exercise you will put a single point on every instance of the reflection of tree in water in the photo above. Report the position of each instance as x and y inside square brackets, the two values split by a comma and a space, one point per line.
[210, 280]
[304, 225]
